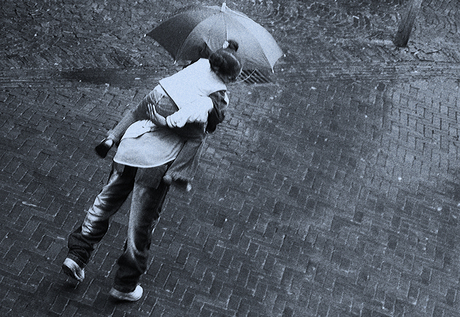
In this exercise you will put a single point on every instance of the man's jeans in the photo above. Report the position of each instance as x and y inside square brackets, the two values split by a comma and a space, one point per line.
[147, 200]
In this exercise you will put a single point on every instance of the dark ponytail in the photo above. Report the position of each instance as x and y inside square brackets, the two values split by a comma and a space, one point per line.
[232, 45]
[225, 62]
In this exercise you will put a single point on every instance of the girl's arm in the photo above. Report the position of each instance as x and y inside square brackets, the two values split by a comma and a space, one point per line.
[194, 112]
[210, 110]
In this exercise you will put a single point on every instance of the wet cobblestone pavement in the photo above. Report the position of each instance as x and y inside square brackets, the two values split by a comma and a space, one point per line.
[333, 190]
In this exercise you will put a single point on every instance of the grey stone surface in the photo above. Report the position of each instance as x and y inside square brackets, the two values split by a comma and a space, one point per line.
[332, 191]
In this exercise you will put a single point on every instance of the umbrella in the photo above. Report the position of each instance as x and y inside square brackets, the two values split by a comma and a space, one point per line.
[184, 34]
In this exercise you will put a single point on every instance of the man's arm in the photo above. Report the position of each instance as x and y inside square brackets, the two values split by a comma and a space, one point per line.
[217, 115]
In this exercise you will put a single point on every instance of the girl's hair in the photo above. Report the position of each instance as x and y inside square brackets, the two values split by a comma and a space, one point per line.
[225, 62]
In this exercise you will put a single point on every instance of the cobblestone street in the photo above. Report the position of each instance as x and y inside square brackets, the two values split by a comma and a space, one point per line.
[331, 191]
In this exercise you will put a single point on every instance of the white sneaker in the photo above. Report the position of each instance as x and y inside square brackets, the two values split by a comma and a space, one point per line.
[72, 269]
[130, 296]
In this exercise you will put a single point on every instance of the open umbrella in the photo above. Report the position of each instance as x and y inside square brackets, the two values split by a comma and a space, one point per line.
[184, 34]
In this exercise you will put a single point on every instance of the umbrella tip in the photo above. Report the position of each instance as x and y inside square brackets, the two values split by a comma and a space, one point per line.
[224, 7]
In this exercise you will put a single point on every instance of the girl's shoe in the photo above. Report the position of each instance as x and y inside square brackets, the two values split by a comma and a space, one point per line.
[73, 270]
[179, 183]
[103, 148]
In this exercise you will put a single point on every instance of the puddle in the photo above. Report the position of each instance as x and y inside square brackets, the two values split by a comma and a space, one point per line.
[129, 79]
[112, 77]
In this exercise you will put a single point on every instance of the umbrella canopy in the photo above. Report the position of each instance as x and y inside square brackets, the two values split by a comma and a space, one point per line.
[184, 34]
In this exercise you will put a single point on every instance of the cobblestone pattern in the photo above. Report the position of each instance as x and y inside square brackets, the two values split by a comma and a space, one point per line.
[331, 192]
[65, 35]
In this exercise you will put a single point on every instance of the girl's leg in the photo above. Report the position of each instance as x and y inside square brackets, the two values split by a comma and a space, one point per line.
[140, 112]
[81, 242]
[184, 166]
[114, 136]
